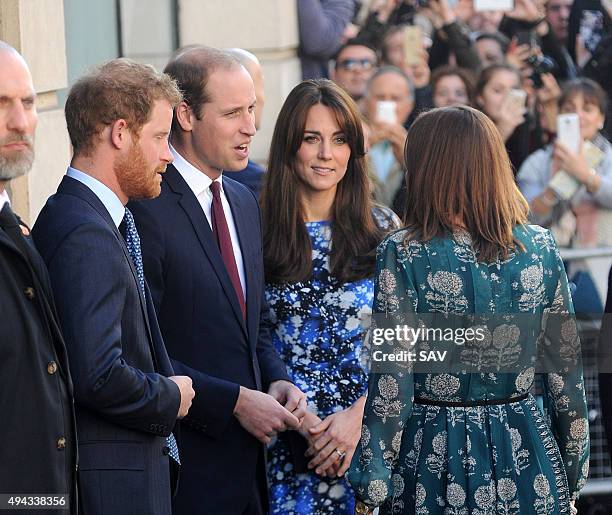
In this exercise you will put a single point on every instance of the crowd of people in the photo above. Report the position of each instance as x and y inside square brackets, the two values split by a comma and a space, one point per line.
[185, 329]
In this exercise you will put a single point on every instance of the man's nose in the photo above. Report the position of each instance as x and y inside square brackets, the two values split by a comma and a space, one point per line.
[167, 155]
[248, 126]
[18, 119]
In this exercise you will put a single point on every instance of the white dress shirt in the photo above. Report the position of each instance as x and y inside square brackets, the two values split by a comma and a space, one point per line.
[4, 199]
[200, 183]
[107, 196]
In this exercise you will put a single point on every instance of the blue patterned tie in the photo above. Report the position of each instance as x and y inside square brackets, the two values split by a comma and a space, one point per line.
[132, 242]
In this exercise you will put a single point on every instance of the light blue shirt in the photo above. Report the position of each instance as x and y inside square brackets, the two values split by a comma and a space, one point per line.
[111, 201]
[383, 159]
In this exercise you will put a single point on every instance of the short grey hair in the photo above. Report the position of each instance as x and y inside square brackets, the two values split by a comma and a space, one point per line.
[392, 69]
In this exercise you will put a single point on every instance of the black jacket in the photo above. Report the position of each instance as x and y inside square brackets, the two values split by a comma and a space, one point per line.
[38, 451]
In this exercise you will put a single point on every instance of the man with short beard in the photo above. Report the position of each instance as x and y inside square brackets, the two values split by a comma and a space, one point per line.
[38, 452]
[127, 397]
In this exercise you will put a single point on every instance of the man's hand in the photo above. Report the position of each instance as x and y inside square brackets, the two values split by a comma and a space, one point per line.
[517, 55]
[395, 134]
[383, 9]
[527, 10]
[187, 393]
[262, 416]
[290, 397]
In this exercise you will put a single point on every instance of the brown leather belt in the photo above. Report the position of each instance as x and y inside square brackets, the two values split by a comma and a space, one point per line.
[469, 404]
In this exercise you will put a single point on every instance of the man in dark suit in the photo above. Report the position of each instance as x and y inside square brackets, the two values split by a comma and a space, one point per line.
[127, 398]
[201, 241]
[253, 175]
[38, 436]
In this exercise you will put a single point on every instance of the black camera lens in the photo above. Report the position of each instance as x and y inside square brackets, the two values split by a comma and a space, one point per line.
[540, 65]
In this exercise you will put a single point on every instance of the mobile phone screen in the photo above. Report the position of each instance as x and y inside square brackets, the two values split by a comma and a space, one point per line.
[413, 44]
[493, 5]
[568, 131]
[591, 29]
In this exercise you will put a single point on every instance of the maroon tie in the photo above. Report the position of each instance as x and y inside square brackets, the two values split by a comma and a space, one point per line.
[222, 235]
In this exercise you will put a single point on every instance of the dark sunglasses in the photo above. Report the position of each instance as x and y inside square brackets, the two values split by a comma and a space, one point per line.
[354, 64]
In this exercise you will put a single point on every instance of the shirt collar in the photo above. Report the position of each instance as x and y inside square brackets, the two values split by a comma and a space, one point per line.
[197, 180]
[4, 199]
[111, 201]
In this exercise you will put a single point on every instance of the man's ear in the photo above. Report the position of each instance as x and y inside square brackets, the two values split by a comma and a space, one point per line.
[185, 116]
[120, 134]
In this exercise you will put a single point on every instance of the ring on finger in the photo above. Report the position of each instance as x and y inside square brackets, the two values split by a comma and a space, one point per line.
[340, 454]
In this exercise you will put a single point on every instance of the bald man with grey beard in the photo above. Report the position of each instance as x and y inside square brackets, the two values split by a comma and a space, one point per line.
[38, 451]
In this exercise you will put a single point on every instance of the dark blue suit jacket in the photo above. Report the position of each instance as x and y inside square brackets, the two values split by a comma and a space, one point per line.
[124, 407]
[252, 177]
[208, 339]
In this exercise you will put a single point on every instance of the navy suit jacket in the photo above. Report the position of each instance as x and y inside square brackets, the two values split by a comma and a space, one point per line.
[124, 407]
[208, 339]
[252, 177]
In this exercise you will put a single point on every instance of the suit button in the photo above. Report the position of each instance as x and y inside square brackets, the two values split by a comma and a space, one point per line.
[29, 293]
[52, 367]
[165, 450]
[61, 443]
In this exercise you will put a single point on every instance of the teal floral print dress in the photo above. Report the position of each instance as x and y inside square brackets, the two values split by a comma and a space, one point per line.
[429, 444]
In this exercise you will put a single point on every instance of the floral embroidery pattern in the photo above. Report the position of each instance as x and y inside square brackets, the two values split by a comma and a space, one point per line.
[476, 460]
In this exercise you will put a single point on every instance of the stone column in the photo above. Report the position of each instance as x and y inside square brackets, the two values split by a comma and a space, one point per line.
[36, 29]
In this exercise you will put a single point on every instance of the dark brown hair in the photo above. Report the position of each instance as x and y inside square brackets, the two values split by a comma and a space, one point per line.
[191, 67]
[449, 71]
[118, 89]
[590, 90]
[487, 74]
[355, 235]
[458, 175]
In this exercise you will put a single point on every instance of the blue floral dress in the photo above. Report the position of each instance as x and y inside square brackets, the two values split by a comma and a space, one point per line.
[458, 455]
[317, 332]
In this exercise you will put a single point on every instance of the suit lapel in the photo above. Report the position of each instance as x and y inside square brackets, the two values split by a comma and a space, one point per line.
[13, 237]
[5, 224]
[245, 233]
[189, 203]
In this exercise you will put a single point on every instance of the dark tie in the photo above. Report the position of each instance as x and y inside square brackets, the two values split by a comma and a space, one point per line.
[224, 241]
[132, 242]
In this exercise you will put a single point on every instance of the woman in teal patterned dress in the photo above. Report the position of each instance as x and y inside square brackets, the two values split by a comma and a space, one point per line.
[471, 443]
[320, 235]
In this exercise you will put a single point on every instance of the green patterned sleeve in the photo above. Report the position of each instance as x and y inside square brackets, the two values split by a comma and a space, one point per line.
[390, 392]
[564, 394]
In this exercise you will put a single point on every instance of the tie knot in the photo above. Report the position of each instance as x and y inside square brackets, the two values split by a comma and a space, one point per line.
[128, 219]
[215, 188]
